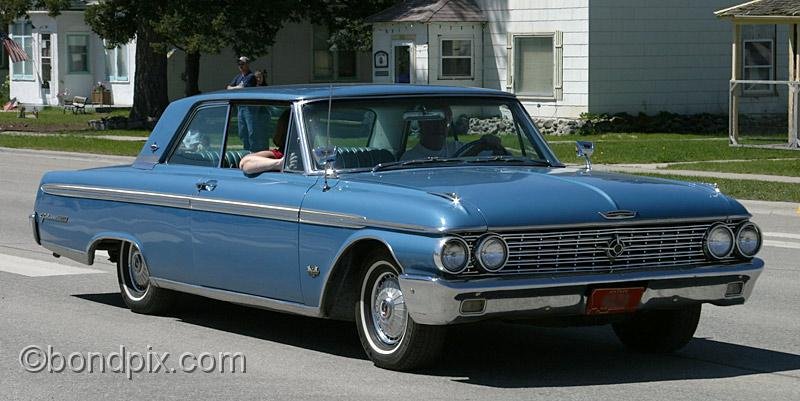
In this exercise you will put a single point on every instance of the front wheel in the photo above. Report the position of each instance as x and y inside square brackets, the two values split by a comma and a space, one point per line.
[659, 331]
[389, 335]
[138, 292]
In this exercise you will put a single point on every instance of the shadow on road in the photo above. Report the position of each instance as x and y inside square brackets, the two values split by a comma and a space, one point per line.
[499, 354]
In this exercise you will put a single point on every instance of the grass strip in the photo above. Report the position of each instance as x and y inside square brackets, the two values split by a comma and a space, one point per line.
[72, 144]
[746, 189]
[768, 167]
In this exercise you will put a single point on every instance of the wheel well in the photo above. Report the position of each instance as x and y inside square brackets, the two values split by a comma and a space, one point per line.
[341, 291]
[112, 246]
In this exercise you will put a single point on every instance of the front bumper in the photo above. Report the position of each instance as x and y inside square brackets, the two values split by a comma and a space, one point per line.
[436, 301]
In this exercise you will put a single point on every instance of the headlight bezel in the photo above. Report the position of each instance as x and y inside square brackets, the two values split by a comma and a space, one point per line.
[480, 246]
[707, 248]
[438, 256]
[759, 236]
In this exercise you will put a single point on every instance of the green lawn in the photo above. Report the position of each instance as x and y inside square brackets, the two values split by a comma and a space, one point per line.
[769, 167]
[52, 119]
[111, 132]
[662, 148]
[69, 143]
[746, 189]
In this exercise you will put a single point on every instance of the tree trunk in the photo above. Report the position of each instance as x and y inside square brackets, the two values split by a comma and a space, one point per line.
[192, 73]
[150, 81]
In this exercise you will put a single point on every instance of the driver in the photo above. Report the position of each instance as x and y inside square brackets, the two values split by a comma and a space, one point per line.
[433, 138]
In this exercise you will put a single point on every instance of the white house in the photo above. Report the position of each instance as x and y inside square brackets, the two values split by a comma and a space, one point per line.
[66, 57]
[567, 57]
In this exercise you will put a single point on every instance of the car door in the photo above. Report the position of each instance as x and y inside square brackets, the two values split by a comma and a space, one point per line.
[245, 227]
[166, 234]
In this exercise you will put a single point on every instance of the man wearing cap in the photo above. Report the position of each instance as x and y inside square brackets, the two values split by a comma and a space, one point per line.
[252, 139]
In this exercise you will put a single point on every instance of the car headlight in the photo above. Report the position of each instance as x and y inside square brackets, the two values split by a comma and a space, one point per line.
[453, 256]
[719, 241]
[491, 253]
[748, 240]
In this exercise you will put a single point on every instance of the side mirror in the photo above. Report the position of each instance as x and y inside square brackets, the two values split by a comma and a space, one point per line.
[325, 157]
[585, 149]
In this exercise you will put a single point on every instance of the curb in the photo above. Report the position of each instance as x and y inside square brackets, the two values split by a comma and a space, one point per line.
[789, 209]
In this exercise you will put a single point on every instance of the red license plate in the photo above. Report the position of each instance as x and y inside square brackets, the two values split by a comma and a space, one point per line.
[614, 300]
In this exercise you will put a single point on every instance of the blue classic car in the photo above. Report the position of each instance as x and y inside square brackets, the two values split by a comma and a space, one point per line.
[405, 209]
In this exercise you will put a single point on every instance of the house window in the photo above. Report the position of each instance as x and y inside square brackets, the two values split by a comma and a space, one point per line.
[759, 65]
[78, 54]
[332, 64]
[533, 66]
[456, 58]
[117, 64]
[21, 32]
[47, 60]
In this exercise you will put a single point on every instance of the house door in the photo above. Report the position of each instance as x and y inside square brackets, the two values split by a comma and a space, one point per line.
[403, 63]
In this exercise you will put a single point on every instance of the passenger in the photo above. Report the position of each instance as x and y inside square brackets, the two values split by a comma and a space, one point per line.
[268, 160]
[261, 77]
[433, 138]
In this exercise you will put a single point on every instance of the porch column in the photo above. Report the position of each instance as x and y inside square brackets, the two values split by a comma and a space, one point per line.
[736, 72]
[794, 89]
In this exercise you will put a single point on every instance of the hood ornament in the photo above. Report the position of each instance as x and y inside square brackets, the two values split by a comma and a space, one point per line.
[618, 214]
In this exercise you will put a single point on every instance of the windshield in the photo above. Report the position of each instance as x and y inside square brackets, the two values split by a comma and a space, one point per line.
[404, 132]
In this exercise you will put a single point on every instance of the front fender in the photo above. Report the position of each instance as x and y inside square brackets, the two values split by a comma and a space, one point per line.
[412, 252]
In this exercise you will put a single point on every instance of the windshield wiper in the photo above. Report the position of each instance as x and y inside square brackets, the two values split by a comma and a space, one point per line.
[415, 162]
[510, 159]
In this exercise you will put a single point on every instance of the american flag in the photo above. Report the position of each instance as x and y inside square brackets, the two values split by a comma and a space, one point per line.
[12, 48]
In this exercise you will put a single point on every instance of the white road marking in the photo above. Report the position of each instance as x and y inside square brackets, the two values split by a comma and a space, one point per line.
[782, 244]
[37, 268]
[782, 235]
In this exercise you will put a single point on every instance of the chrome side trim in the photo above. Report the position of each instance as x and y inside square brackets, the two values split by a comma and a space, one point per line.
[238, 298]
[319, 217]
[272, 212]
[119, 195]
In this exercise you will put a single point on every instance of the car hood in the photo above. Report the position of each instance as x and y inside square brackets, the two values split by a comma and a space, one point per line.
[522, 196]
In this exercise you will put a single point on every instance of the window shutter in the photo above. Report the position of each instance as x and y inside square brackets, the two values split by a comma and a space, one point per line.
[558, 74]
[510, 63]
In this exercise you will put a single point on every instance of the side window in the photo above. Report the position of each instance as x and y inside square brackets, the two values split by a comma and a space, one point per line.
[201, 142]
[253, 128]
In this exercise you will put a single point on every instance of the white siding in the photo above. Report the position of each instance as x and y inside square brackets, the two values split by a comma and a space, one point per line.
[76, 84]
[666, 55]
[540, 16]
[385, 34]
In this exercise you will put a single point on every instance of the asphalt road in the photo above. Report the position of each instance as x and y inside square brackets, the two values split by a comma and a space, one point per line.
[749, 352]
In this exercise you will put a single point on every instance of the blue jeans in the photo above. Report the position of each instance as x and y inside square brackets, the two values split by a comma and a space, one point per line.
[252, 127]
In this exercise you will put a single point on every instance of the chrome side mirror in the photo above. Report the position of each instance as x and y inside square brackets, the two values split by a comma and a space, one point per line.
[325, 156]
[585, 149]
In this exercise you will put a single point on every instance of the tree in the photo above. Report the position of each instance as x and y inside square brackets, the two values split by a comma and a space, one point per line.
[12, 10]
[249, 30]
[119, 22]
[345, 20]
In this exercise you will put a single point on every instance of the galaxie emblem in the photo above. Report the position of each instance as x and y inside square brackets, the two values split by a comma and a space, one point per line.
[615, 248]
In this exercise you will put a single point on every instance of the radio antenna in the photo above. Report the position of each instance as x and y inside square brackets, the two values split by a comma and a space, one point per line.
[328, 127]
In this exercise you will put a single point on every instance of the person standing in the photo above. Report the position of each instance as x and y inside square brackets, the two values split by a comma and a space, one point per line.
[248, 132]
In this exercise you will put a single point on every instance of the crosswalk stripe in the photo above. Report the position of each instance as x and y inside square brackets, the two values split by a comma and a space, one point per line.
[782, 235]
[782, 244]
[37, 268]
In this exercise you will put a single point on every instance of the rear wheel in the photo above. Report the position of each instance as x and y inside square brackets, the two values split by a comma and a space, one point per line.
[137, 290]
[659, 331]
[389, 335]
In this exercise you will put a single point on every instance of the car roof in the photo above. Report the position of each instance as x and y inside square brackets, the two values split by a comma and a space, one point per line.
[323, 91]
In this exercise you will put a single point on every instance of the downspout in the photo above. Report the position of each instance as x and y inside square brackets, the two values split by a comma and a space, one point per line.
[428, 39]
[483, 49]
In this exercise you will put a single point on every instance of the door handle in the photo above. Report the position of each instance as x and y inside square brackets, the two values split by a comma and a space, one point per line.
[209, 185]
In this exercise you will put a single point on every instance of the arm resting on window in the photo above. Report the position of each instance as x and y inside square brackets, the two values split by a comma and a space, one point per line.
[260, 162]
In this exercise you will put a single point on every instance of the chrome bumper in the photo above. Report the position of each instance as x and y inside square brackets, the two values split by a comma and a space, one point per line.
[435, 301]
[34, 220]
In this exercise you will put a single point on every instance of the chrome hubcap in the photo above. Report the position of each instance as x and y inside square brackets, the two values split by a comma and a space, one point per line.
[389, 315]
[137, 269]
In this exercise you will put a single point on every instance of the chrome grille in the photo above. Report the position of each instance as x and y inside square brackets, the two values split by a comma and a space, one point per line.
[586, 250]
